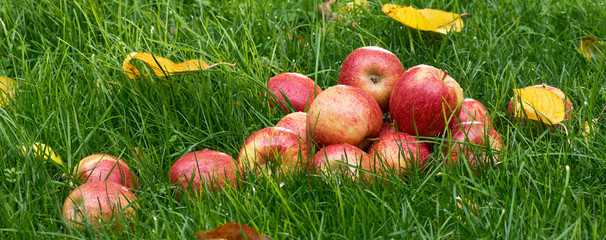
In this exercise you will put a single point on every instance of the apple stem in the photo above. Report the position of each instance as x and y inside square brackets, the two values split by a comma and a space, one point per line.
[445, 75]
[374, 78]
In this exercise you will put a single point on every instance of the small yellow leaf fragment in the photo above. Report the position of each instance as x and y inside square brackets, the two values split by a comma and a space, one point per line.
[41, 150]
[590, 47]
[355, 6]
[538, 104]
[162, 66]
[7, 90]
[425, 19]
[590, 128]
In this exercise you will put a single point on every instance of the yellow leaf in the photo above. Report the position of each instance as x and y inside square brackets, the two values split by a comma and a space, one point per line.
[41, 150]
[162, 66]
[590, 47]
[425, 19]
[354, 6]
[7, 90]
[589, 128]
[538, 104]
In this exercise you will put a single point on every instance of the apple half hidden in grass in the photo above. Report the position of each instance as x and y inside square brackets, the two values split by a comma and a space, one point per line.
[398, 152]
[471, 141]
[104, 167]
[344, 159]
[213, 168]
[100, 204]
[424, 100]
[297, 88]
[374, 70]
[275, 146]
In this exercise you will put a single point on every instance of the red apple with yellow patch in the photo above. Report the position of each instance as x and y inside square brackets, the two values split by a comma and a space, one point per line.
[295, 88]
[343, 114]
[424, 100]
[374, 70]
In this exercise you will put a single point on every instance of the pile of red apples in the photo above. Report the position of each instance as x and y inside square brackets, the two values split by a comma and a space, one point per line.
[380, 119]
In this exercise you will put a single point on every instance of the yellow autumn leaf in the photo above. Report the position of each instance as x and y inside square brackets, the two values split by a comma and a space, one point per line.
[590, 47]
[41, 150]
[425, 19]
[590, 128]
[162, 66]
[7, 90]
[354, 6]
[538, 104]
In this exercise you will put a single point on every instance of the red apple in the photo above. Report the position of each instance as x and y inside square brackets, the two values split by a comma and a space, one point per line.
[98, 202]
[398, 152]
[343, 158]
[473, 110]
[567, 102]
[343, 114]
[387, 128]
[296, 123]
[424, 99]
[273, 145]
[216, 169]
[299, 89]
[471, 140]
[374, 70]
[103, 167]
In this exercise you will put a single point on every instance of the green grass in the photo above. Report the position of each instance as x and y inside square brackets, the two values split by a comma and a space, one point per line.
[73, 96]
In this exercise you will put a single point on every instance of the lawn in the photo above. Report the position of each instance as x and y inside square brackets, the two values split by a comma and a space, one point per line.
[66, 57]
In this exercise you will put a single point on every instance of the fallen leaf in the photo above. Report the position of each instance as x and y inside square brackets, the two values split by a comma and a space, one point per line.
[355, 6]
[590, 128]
[7, 90]
[41, 150]
[538, 104]
[164, 67]
[590, 47]
[232, 231]
[425, 19]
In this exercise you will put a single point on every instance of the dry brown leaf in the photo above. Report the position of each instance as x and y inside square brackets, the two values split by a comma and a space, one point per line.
[590, 47]
[538, 104]
[232, 231]
[7, 90]
[164, 67]
[425, 19]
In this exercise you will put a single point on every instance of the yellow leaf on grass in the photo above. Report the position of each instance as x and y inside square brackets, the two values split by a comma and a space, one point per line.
[538, 104]
[590, 128]
[162, 66]
[7, 90]
[41, 150]
[425, 19]
[590, 47]
[354, 6]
